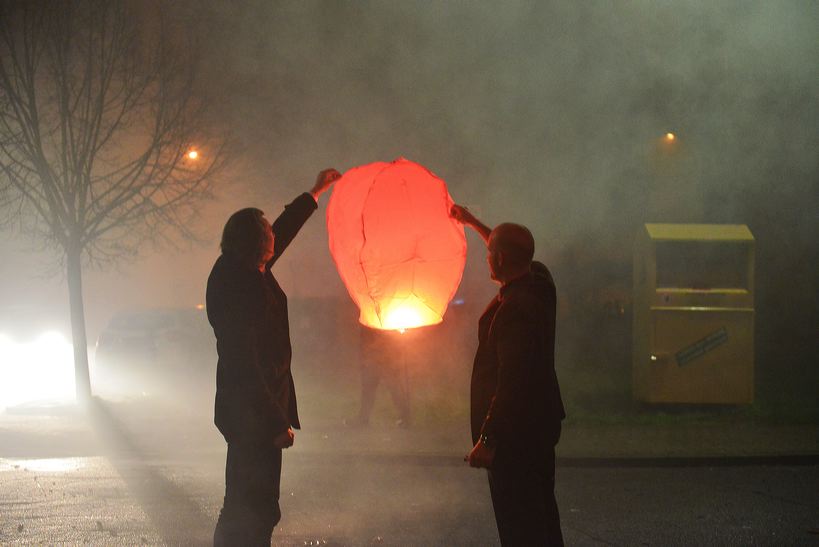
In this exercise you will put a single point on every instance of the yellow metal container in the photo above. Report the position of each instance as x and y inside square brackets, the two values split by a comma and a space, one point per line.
[694, 314]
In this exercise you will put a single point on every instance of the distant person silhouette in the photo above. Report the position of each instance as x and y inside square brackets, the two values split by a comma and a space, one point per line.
[382, 358]
[255, 398]
[516, 407]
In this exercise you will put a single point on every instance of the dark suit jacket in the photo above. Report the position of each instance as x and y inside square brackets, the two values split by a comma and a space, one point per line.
[515, 397]
[255, 395]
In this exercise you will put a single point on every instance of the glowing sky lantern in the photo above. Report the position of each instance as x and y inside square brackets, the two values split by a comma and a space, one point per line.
[396, 248]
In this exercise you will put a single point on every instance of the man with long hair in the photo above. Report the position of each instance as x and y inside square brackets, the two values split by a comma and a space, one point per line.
[255, 397]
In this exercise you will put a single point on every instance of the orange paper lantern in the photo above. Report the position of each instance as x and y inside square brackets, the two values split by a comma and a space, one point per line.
[396, 248]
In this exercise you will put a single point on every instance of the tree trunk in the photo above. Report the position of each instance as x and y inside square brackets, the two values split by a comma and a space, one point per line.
[81, 376]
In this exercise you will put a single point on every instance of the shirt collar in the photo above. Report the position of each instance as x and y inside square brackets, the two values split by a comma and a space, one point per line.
[510, 286]
[242, 266]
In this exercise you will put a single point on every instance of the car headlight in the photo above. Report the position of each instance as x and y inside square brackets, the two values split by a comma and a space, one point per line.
[42, 369]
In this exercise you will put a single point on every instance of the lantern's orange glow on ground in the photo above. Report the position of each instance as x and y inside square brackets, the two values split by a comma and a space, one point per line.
[399, 253]
[193, 155]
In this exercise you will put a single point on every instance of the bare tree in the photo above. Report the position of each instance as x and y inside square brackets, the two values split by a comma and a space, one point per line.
[103, 143]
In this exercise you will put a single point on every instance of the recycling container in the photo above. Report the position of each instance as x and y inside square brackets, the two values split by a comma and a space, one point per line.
[693, 320]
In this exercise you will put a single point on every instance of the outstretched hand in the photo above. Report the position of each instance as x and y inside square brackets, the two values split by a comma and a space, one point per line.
[465, 216]
[480, 456]
[462, 214]
[323, 181]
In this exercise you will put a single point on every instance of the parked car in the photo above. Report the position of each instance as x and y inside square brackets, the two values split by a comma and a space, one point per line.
[155, 350]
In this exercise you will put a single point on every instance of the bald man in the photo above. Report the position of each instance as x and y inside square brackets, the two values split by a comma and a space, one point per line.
[516, 407]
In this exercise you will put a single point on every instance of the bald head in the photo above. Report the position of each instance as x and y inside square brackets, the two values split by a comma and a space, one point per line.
[511, 248]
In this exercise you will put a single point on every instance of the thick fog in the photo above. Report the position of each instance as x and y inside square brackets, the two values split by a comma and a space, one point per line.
[550, 114]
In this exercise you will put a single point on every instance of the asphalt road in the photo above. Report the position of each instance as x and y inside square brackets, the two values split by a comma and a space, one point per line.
[159, 481]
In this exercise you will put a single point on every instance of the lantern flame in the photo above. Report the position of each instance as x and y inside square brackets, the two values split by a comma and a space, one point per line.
[406, 316]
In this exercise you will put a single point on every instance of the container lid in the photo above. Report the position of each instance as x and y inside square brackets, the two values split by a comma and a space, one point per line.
[699, 232]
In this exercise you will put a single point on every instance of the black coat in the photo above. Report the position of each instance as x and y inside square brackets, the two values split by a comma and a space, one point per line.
[255, 395]
[515, 397]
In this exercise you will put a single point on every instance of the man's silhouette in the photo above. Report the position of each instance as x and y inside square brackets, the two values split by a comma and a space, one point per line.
[516, 408]
[255, 398]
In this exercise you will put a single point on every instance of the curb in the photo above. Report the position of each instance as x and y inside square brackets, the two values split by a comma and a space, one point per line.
[790, 460]
[455, 460]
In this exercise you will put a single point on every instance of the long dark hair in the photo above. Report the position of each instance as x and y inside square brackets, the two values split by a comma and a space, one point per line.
[243, 235]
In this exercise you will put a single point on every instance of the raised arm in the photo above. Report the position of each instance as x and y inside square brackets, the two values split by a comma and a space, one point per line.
[296, 213]
[465, 216]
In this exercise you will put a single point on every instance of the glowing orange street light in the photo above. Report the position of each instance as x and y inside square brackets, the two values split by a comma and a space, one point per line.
[193, 154]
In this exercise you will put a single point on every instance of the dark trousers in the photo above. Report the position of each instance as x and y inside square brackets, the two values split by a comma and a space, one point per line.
[524, 501]
[251, 507]
[396, 381]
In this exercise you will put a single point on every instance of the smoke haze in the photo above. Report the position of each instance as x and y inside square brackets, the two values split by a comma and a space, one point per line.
[546, 113]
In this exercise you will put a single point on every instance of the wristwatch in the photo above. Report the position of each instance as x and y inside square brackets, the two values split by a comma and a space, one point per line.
[487, 440]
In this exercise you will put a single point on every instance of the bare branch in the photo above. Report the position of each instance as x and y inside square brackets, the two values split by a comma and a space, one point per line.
[96, 114]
